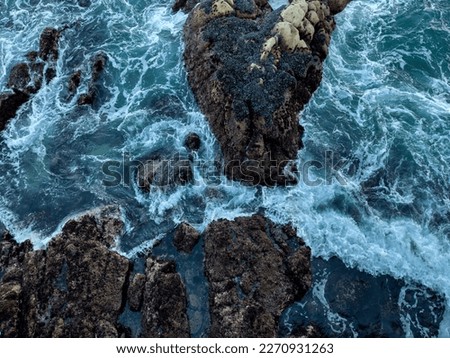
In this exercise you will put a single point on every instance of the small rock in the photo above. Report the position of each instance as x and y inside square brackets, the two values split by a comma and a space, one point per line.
[186, 237]
[164, 171]
[192, 142]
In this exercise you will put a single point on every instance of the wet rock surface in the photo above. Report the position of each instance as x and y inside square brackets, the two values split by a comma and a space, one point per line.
[165, 305]
[26, 78]
[78, 287]
[255, 269]
[185, 238]
[98, 66]
[164, 170]
[192, 142]
[252, 70]
[361, 305]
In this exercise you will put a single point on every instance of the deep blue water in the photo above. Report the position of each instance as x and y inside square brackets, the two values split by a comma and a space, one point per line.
[382, 115]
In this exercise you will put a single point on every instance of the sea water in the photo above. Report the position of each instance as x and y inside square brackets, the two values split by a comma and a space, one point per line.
[374, 184]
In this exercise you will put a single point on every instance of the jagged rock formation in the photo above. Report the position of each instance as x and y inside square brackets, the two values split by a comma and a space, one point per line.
[255, 270]
[252, 70]
[26, 78]
[78, 287]
[185, 238]
[164, 170]
[98, 66]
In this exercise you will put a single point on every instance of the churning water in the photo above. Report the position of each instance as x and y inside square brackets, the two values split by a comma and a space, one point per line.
[382, 112]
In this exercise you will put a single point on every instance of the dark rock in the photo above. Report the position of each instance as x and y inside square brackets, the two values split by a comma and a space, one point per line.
[25, 78]
[98, 65]
[185, 5]
[186, 237]
[136, 292]
[19, 78]
[72, 289]
[48, 44]
[167, 105]
[74, 81]
[362, 305]
[337, 6]
[164, 310]
[192, 141]
[9, 105]
[249, 263]
[84, 3]
[164, 171]
[252, 71]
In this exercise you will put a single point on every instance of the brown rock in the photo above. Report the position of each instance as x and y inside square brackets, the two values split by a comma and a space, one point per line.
[251, 278]
[337, 6]
[252, 72]
[161, 170]
[186, 237]
[136, 292]
[72, 289]
[164, 310]
[48, 44]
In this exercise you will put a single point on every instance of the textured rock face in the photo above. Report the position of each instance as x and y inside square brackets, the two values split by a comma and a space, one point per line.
[255, 269]
[161, 170]
[72, 289]
[252, 70]
[26, 78]
[164, 305]
[186, 237]
[78, 287]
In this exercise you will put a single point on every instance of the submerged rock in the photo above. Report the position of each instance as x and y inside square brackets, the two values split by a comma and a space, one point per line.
[255, 270]
[98, 66]
[349, 303]
[164, 171]
[252, 70]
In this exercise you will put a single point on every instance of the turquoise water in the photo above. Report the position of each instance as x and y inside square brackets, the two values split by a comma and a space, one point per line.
[383, 111]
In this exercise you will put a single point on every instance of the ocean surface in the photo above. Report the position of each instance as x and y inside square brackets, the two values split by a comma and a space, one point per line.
[374, 184]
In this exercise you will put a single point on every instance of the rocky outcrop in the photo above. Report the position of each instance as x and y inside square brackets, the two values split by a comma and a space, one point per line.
[98, 66]
[252, 70]
[164, 170]
[78, 287]
[351, 303]
[164, 301]
[255, 269]
[73, 288]
[26, 78]
[185, 238]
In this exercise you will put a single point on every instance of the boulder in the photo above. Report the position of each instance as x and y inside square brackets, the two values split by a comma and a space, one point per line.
[255, 269]
[163, 171]
[186, 237]
[192, 142]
